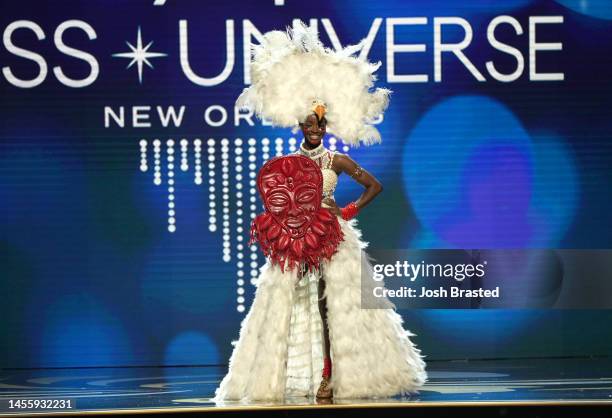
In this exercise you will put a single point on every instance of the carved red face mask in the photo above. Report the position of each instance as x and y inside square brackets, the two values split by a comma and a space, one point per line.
[291, 189]
[294, 223]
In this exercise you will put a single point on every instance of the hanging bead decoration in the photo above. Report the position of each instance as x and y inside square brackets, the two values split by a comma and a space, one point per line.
[171, 195]
[265, 149]
[156, 162]
[197, 150]
[238, 160]
[225, 198]
[279, 146]
[212, 203]
[184, 150]
[246, 161]
[292, 144]
[332, 144]
[253, 199]
[143, 155]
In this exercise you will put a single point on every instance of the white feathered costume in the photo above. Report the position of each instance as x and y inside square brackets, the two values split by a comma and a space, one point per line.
[279, 352]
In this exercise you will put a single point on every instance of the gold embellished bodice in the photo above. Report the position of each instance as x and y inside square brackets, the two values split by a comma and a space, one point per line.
[324, 159]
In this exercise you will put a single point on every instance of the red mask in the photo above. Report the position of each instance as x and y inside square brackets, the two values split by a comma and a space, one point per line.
[294, 228]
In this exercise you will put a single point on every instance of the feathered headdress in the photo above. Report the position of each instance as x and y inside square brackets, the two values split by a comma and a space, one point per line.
[294, 75]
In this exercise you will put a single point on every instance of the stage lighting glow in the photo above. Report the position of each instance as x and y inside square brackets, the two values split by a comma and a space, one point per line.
[191, 348]
[601, 9]
[467, 159]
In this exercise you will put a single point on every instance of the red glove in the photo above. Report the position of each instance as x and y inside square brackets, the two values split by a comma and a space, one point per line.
[349, 211]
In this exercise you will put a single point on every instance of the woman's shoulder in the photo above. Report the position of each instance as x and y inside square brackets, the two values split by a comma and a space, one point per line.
[340, 157]
[337, 160]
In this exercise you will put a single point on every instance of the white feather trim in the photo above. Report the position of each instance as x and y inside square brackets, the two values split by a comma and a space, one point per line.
[372, 354]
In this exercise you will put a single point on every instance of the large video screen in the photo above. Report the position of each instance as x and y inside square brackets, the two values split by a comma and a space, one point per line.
[127, 172]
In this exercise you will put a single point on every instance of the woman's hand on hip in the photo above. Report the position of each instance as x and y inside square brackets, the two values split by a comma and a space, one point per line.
[333, 207]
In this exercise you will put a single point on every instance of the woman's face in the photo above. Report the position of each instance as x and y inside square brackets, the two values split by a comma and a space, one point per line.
[313, 129]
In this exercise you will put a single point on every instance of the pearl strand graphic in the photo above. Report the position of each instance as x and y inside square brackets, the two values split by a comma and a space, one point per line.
[184, 151]
[239, 220]
[156, 162]
[197, 150]
[279, 146]
[332, 144]
[212, 203]
[244, 157]
[265, 155]
[265, 149]
[143, 155]
[292, 144]
[253, 199]
[225, 198]
[171, 196]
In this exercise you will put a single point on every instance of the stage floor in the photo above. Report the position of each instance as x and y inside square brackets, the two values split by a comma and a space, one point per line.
[528, 381]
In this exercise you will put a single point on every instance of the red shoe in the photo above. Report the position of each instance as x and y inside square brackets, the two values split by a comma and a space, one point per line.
[325, 391]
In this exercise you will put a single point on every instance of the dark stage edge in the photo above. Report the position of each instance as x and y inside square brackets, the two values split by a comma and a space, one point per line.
[525, 387]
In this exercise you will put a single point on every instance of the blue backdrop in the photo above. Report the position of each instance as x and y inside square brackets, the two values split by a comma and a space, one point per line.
[126, 185]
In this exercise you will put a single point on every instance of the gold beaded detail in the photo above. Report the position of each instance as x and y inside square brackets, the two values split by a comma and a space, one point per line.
[357, 172]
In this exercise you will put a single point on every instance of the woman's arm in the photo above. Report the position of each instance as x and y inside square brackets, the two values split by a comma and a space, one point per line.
[345, 164]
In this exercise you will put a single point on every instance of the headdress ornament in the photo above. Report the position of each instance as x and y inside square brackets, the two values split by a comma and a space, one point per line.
[294, 75]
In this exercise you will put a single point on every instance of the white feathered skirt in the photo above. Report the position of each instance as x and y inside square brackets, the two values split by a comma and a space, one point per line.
[279, 352]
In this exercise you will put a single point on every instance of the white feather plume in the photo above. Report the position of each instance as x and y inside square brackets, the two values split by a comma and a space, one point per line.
[292, 69]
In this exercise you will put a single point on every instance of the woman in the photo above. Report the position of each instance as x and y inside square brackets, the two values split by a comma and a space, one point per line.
[307, 333]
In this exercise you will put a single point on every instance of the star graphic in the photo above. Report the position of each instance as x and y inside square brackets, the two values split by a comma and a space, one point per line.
[139, 55]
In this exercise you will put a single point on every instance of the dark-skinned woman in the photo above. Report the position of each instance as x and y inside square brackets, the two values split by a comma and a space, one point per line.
[306, 333]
